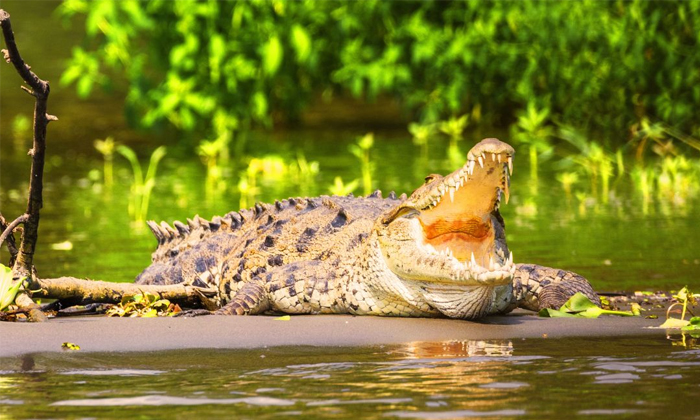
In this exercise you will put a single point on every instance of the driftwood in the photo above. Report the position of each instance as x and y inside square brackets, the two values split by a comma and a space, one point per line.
[82, 292]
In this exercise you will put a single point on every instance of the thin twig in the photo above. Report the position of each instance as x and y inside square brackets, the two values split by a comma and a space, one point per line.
[12, 56]
[7, 230]
[11, 246]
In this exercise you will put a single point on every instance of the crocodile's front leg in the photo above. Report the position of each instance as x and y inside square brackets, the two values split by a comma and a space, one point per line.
[537, 287]
[303, 287]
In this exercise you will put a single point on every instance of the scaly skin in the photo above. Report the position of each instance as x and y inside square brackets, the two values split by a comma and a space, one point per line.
[440, 252]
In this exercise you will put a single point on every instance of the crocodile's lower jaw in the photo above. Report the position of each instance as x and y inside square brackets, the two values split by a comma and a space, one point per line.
[464, 302]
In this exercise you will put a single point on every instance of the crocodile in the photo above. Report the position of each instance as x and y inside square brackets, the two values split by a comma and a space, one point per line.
[441, 251]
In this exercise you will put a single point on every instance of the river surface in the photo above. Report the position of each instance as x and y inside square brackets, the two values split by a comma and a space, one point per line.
[631, 377]
[86, 231]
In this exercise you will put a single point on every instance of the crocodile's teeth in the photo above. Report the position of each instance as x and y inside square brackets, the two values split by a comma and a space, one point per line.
[510, 257]
[473, 261]
[434, 203]
[452, 195]
[493, 157]
[498, 156]
[510, 164]
[491, 266]
[481, 161]
[506, 190]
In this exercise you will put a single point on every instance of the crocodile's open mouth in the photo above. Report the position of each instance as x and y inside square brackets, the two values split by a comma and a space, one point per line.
[458, 217]
[449, 229]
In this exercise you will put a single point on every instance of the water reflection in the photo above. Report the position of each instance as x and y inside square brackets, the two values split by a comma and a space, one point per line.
[452, 349]
[490, 378]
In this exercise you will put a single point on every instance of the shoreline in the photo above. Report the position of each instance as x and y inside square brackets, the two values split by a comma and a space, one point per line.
[103, 334]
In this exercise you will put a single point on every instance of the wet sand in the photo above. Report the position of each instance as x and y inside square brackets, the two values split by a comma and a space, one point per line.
[101, 334]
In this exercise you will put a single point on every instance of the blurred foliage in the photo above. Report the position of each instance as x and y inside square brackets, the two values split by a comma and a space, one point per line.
[142, 185]
[274, 172]
[531, 130]
[361, 151]
[106, 148]
[600, 66]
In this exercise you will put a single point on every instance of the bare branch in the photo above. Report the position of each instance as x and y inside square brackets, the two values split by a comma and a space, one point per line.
[10, 238]
[23, 265]
[7, 231]
[12, 56]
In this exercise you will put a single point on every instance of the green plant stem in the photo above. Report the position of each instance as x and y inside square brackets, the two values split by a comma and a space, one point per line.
[533, 162]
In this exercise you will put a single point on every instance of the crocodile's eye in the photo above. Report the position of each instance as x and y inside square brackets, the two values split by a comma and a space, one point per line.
[403, 212]
[430, 178]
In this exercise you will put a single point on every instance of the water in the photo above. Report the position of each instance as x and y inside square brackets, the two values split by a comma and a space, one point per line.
[628, 377]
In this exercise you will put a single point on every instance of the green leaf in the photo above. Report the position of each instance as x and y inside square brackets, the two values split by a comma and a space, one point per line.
[553, 313]
[151, 313]
[693, 324]
[301, 43]
[8, 288]
[577, 303]
[272, 55]
[84, 86]
[674, 323]
[580, 306]
[259, 105]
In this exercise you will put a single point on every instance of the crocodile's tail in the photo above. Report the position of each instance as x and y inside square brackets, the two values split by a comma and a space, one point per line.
[178, 257]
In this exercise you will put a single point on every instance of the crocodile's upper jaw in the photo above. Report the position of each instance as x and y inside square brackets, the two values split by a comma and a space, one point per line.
[447, 231]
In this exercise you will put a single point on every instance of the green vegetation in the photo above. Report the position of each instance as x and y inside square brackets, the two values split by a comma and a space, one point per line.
[568, 78]
[275, 172]
[106, 148]
[339, 187]
[361, 151]
[599, 66]
[8, 287]
[531, 131]
[143, 305]
[141, 188]
[684, 298]
[579, 306]
[215, 155]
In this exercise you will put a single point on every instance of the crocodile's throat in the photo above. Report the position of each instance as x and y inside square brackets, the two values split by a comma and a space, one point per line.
[458, 219]
[460, 222]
